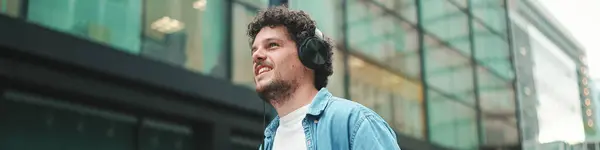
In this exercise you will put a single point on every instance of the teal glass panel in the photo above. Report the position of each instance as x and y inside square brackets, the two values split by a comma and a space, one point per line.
[113, 22]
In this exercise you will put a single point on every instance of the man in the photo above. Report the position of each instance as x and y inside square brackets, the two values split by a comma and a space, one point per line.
[292, 61]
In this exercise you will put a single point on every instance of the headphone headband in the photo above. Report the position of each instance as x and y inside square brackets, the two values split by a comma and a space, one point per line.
[319, 34]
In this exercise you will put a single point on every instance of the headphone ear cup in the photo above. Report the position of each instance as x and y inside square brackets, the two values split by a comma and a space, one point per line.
[312, 53]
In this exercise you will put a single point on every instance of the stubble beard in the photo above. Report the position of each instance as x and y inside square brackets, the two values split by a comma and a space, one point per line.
[278, 91]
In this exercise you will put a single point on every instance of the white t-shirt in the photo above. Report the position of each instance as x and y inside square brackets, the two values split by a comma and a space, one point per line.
[290, 133]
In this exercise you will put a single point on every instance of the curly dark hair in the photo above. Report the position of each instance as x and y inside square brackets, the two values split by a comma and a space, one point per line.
[299, 26]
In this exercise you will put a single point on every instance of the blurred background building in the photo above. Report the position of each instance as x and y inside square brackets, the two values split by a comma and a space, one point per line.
[177, 74]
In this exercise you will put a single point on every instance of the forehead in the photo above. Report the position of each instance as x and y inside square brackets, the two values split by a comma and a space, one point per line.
[269, 33]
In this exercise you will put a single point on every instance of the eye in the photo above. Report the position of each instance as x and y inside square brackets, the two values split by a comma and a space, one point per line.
[273, 45]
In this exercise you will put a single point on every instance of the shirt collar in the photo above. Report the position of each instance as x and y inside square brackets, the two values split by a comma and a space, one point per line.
[317, 106]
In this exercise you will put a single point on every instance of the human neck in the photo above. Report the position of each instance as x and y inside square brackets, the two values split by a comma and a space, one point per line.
[300, 97]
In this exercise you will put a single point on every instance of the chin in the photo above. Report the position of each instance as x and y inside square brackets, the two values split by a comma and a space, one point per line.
[261, 85]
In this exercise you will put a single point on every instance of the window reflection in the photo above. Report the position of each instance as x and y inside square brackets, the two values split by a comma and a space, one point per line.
[452, 119]
[496, 94]
[448, 71]
[395, 98]
[451, 123]
[499, 130]
[492, 13]
[383, 37]
[405, 8]
[498, 109]
[446, 21]
[187, 33]
[10, 7]
[243, 13]
[492, 51]
[116, 23]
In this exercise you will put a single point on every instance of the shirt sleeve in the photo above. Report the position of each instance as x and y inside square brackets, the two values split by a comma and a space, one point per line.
[372, 133]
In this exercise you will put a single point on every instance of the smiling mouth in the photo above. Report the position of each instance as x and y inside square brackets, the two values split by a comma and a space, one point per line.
[263, 69]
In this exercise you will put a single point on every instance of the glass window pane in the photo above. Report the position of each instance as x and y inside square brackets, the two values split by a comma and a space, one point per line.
[451, 100]
[446, 21]
[243, 13]
[405, 8]
[496, 95]
[460, 3]
[492, 52]
[498, 109]
[186, 33]
[383, 38]
[452, 124]
[325, 13]
[408, 112]
[448, 71]
[492, 13]
[116, 23]
[394, 97]
[499, 130]
[174, 31]
[10, 7]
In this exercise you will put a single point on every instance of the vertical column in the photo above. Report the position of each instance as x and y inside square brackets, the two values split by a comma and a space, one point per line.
[515, 86]
[24, 9]
[423, 68]
[228, 10]
[480, 135]
[345, 49]
[215, 36]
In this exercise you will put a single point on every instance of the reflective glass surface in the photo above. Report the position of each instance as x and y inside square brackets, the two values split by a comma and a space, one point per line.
[394, 97]
[10, 8]
[451, 123]
[445, 20]
[497, 103]
[492, 51]
[243, 13]
[491, 13]
[448, 71]
[183, 33]
[452, 118]
[382, 37]
[112, 22]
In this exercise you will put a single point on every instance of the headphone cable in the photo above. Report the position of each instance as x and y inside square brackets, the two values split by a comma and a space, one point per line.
[264, 128]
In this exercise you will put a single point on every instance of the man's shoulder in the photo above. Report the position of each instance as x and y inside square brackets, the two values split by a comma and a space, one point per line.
[340, 107]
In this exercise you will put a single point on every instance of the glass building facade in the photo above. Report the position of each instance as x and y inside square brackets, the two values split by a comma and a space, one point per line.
[440, 71]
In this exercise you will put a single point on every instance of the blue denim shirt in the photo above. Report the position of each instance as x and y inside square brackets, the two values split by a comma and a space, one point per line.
[334, 123]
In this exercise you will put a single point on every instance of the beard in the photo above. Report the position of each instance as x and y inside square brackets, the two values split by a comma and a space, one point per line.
[278, 91]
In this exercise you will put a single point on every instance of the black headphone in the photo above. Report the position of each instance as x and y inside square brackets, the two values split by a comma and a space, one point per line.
[313, 51]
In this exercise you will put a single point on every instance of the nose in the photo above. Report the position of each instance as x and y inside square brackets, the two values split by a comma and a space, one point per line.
[258, 56]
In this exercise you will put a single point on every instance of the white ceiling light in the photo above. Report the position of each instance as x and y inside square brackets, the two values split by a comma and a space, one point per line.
[200, 5]
[167, 25]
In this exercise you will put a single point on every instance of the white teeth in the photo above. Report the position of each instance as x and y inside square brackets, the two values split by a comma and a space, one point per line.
[264, 69]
